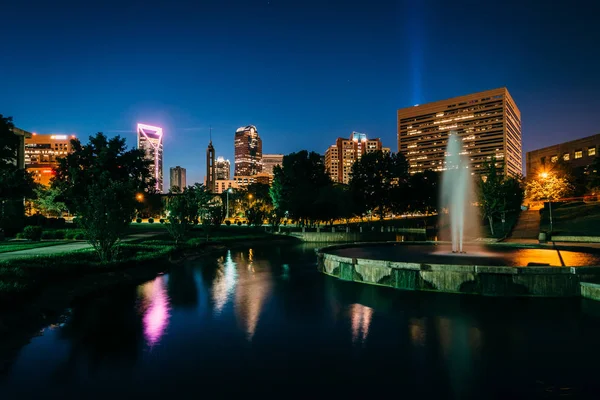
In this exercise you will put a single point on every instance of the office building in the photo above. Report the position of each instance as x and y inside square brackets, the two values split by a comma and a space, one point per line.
[340, 156]
[222, 185]
[489, 124]
[577, 153]
[211, 172]
[42, 153]
[150, 140]
[269, 161]
[223, 168]
[22, 135]
[178, 178]
[248, 151]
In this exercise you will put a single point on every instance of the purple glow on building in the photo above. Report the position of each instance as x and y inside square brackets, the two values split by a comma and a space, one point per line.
[157, 310]
[150, 140]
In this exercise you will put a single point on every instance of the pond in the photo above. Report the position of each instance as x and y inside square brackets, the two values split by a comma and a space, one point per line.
[263, 321]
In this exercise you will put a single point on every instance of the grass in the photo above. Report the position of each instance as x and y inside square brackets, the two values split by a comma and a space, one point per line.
[575, 218]
[6, 247]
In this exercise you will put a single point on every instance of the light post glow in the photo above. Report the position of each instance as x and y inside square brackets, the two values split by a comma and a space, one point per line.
[228, 191]
[544, 176]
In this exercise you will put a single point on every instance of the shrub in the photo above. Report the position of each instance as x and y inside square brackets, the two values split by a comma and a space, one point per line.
[228, 222]
[55, 234]
[195, 242]
[138, 220]
[32, 232]
[239, 223]
[36, 220]
[162, 221]
[150, 220]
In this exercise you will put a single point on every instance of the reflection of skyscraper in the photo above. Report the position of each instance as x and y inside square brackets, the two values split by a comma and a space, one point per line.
[150, 140]
[360, 317]
[178, 178]
[248, 151]
[224, 283]
[155, 304]
[223, 168]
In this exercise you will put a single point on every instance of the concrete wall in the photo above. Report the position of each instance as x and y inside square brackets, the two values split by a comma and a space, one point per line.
[326, 236]
[468, 279]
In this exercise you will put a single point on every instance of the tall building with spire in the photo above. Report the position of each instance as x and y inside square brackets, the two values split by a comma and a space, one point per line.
[149, 139]
[248, 151]
[211, 174]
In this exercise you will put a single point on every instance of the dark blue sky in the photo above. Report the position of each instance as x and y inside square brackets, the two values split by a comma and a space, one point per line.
[304, 72]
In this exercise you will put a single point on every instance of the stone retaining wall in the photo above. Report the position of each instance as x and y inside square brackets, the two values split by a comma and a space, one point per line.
[468, 279]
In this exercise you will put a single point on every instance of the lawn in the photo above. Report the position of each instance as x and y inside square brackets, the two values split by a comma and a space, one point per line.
[575, 218]
[6, 247]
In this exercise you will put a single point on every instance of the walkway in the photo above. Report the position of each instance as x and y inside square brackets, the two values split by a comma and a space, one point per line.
[527, 227]
[65, 248]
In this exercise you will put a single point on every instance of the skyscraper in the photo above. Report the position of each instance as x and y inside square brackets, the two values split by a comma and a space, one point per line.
[178, 178]
[340, 156]
[223, 168]
[248, 151]
[211, 174]
[149, 140]
[269, 161]
[42, 153]
[489, 124]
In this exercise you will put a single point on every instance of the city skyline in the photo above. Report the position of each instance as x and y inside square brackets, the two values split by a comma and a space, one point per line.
[300, 98]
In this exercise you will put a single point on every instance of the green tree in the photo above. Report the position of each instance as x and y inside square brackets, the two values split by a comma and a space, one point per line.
[16, 184]
[374, 178]
[99, 181]
[422, 192]
[185, 208]
[297, 183]
[47, 201]
[547, 186]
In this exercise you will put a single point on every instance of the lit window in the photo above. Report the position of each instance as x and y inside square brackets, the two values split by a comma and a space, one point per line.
[578, 154]
[566, 156]
[554, 159]
[592, 151]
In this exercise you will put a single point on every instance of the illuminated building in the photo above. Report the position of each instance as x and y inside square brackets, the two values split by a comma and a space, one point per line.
[223, 168]
[340, 156]
[489, 124]
[269, 161]
[248, 151]
[211, 173]
[178, 178]
[42, 153]
[149, 139]
[577, 153]
[20, 160]
[222, 185]
[243, 181]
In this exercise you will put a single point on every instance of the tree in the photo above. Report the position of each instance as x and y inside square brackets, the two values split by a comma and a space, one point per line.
[547, 186]
[423, 189]
[374, 178]
[297, 183]
[47, 201]
[99, 182]
[16, 184]
[184, 209]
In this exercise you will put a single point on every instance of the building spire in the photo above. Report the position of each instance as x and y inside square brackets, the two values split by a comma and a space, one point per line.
[210, 133]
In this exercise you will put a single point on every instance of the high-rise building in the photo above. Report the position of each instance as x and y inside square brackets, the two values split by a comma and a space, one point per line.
[578, 153]
[211, 172]
[42, 153]
[223, 168]
[221, 185]
[178, 178]
[340, 156]
[489, 124]
[269, 161]
[149, 139]
[248, 151]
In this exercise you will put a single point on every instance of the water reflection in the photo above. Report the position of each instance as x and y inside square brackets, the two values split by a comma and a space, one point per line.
[360, 317]
[417, 331]
[224, 282]
[155, 309]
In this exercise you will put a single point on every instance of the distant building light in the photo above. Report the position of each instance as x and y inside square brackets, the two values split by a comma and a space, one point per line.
[59, 137]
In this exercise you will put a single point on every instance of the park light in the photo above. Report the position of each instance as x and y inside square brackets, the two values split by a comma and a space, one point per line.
[139, 197]
[543, 175]
[250, 196]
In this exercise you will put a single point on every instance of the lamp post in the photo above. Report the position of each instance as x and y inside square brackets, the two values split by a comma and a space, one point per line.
[544, 176]
[227, 214]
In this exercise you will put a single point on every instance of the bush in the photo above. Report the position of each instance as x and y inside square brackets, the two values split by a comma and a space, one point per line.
[162, 221]
[138, 220]
[32, 232]
[56, 234]
[239, 223]
[228, 222]
[150, 220]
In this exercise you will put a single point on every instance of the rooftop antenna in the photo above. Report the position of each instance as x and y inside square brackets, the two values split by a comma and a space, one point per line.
[210, 132]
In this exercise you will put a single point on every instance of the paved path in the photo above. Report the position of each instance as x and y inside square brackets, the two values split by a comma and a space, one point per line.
[63, 248]
[528, 225]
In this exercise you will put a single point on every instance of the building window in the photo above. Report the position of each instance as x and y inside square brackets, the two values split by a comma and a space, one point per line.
[578, 154]
[554, 159]
[592, 151]
[566, 156]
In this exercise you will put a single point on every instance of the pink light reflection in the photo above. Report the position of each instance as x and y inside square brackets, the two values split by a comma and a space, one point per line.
[156, 316]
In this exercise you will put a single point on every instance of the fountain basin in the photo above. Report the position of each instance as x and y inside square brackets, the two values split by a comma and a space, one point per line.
[490, 270]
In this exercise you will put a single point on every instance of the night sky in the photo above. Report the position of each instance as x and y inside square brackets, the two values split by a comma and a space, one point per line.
[303, 72]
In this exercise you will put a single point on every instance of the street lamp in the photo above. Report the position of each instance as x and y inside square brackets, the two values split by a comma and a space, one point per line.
[228, 191]
[544, 176]
[139, 197]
